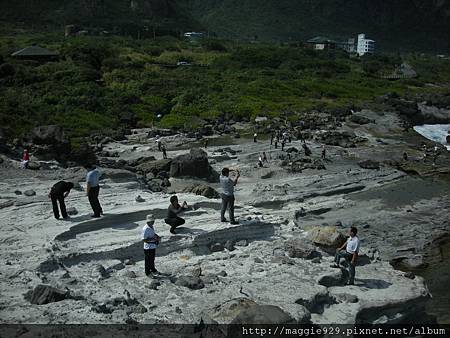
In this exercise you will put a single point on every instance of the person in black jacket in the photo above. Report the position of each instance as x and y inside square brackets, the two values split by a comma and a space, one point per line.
[172, 214]
[57, 194]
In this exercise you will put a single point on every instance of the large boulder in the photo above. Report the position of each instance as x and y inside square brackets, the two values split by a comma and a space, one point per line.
[203, 190]
[298, 248]
[50, 143]
[263, 314]
[44, 294]
[194, 164]
[52, 134]
[326, 237]
[369, 164]
[359, 119]
[154, 167]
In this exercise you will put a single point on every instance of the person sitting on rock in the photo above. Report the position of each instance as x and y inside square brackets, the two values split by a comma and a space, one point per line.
[172, 213]
[350, 253]
[228, 185]
[57, 194]
[25, 159]
[151, 241]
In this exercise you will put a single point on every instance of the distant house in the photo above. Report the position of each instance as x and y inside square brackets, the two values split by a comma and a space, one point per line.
[364, 46]
[35, 53]
[321, 43]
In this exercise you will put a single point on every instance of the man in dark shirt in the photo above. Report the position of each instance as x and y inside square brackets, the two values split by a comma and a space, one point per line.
[57, 194]
[172, 213]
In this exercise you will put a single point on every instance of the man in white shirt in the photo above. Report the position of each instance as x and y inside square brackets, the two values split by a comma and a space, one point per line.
[350, 253]
[151, 241]
[228, 185]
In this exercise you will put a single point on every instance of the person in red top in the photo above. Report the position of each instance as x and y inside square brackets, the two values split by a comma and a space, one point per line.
[25, 159]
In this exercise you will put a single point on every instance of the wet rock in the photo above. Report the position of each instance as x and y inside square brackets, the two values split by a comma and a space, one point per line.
[72, 211]
[194, 164]
[216, 247]
[44, 294]
[369, 164]
[298, 248]
[263, 314]
[29, 193]
[203, 190]
[139, 199]
[190, 282]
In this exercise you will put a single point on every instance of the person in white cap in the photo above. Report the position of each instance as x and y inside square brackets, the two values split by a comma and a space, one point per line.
[151, 241]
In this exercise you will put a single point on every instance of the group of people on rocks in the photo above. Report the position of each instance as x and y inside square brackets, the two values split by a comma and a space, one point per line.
[151, 240]
[61, 190]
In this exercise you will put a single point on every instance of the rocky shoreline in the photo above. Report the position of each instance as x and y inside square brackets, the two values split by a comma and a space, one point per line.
[292, 214]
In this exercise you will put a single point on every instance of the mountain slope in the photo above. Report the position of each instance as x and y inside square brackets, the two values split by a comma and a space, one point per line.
[407, 24]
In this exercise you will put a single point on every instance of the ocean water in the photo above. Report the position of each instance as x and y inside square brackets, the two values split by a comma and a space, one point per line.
[434, 132]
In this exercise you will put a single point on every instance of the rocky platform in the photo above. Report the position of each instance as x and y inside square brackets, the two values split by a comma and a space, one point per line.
[91, 271]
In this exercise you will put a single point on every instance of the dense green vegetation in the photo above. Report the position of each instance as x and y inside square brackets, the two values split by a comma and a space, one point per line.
[100, 83]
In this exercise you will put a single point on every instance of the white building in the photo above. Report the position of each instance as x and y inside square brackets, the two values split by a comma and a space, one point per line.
[365, 46]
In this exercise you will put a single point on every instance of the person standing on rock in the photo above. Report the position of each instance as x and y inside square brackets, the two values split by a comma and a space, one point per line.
[164, 151]
[25, 159]
[151, 241]
[324, 152]
[271, 138]
[158, 142]
[57, 194]
[228, 185]
[283, 143]
[350, 253]
[255, 136]
[172, 214]
[93, 189]
[264, 157]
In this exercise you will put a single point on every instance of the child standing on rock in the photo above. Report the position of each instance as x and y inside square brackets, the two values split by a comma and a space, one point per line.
[151, 241]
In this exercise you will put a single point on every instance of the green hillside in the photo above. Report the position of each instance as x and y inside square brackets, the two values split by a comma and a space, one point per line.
[395, 25]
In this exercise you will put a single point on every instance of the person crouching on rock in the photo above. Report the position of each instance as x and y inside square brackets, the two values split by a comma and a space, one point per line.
[151, 241]
[350, 253]
[172, 213]
[57, 194]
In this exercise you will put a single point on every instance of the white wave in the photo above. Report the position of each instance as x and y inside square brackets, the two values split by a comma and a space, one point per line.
[435, 132]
